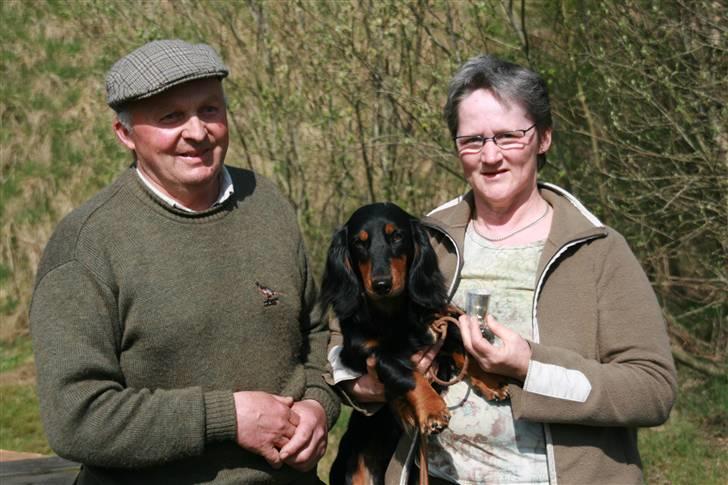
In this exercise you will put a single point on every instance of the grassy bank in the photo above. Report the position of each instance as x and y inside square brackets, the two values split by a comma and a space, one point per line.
[339, 103]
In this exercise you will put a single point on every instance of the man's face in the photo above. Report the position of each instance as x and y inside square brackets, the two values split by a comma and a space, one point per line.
[180, 138]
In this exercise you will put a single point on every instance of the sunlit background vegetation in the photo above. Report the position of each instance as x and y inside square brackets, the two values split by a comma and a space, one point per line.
[339, 102]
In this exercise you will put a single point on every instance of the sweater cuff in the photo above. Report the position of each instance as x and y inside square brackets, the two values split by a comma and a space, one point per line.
[220, 419]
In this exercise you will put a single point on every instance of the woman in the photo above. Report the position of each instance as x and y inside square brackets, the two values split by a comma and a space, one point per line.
[579, 328]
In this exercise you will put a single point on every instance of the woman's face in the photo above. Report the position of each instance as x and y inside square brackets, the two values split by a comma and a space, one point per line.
[500, 178]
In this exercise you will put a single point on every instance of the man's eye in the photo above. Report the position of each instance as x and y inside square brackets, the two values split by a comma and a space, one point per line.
[210, 110]
[171, 117]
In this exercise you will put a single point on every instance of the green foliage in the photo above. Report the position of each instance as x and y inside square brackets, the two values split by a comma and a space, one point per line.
[335, 434]
[691, 447]
[20, 426]
[339, 102]
[15, 353]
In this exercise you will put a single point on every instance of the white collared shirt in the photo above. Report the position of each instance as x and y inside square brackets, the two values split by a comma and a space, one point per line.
[226, 190]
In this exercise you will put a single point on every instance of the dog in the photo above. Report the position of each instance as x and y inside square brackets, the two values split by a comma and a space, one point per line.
[383, 284]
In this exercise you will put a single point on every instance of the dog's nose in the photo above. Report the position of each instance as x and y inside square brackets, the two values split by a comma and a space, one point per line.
[382, 286]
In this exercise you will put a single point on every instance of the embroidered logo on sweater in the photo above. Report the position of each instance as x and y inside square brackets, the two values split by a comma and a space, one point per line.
[270, 296]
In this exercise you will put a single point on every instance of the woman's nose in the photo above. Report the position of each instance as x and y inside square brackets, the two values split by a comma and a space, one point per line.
[490, 153]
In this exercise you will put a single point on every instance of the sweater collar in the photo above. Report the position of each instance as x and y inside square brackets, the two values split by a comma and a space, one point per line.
[226, 190]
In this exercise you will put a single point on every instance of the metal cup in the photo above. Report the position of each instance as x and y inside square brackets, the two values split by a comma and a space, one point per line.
[476, 304]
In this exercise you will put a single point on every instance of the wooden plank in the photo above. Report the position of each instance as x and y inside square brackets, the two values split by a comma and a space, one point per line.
[53, 470]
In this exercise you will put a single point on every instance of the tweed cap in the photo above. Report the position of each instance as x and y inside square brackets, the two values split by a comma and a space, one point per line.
[157, 66]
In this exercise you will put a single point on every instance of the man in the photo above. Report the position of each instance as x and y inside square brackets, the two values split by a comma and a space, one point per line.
[172, 314]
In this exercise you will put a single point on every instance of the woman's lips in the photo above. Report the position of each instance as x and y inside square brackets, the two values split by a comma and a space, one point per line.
[492, 173]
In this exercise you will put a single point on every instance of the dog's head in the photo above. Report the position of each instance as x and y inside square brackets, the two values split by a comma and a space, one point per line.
[382, 253]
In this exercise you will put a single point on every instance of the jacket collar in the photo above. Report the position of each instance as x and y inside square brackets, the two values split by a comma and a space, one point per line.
[572, 222]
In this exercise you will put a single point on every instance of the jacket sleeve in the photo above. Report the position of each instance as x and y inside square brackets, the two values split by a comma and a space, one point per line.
[631, 382]
[316, 337]
[89, 413]
[337, 372]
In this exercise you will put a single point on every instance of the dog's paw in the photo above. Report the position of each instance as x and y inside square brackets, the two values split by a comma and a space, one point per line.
[435, 422]
[498, 392]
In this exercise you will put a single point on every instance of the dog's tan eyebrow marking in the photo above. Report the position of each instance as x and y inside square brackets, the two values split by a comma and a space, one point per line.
[363, 235]
[389, 229]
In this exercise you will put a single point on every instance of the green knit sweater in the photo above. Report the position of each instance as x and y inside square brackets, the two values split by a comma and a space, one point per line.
[146, 319]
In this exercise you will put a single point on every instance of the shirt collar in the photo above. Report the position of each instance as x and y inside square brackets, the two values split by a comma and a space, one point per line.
[226, 190]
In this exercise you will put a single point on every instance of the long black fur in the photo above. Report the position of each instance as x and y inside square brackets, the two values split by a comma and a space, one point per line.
[398, 324]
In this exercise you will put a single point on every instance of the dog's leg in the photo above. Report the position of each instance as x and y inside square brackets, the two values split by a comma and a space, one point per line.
[423, 407]
[361, 475]
[490, 386]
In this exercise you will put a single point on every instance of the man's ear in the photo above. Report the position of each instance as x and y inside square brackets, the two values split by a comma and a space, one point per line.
[123, 134]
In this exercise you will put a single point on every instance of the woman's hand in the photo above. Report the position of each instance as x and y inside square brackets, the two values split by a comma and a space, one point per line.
[369, 389]
[424, 360]
[510, 358]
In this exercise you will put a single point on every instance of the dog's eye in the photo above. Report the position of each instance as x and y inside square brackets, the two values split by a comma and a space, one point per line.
[396, 237]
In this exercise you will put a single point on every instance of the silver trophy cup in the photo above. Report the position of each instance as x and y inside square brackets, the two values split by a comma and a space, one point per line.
[476, 304]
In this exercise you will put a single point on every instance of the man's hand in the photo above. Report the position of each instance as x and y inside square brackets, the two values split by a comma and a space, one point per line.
[509, 359]
[308, 443]
[266, 423]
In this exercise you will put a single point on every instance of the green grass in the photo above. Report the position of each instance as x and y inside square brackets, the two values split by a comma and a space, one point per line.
[681, 453]
[334, 437]
[692, 447]
[15, 353]
[20, 426]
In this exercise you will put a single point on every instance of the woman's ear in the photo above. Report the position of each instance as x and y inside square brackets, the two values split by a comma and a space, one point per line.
[544, 141]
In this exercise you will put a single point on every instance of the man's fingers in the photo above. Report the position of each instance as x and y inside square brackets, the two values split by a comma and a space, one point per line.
[288, 431]
[287, 400]
[295, 445]
[294, 418]
[281, 442]
[273, 458]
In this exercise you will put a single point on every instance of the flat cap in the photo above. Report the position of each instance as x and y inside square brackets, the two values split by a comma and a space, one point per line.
[157, 66]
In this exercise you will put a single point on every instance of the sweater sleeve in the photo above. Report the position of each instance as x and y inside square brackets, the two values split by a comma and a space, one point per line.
[89, 413]
[316, 338]
[633, 380]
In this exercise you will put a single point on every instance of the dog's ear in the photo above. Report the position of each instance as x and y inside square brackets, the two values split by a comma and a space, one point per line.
[426, 284]
[340, 287]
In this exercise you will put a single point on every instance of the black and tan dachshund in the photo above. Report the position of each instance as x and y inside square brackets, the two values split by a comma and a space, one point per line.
[383, 284]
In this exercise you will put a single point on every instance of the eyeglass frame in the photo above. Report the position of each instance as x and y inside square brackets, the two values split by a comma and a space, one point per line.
[494, 138]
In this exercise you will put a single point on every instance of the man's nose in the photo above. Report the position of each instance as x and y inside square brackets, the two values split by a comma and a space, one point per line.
[194, 129]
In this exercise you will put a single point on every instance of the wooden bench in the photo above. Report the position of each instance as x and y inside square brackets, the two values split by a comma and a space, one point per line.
[49, 470]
